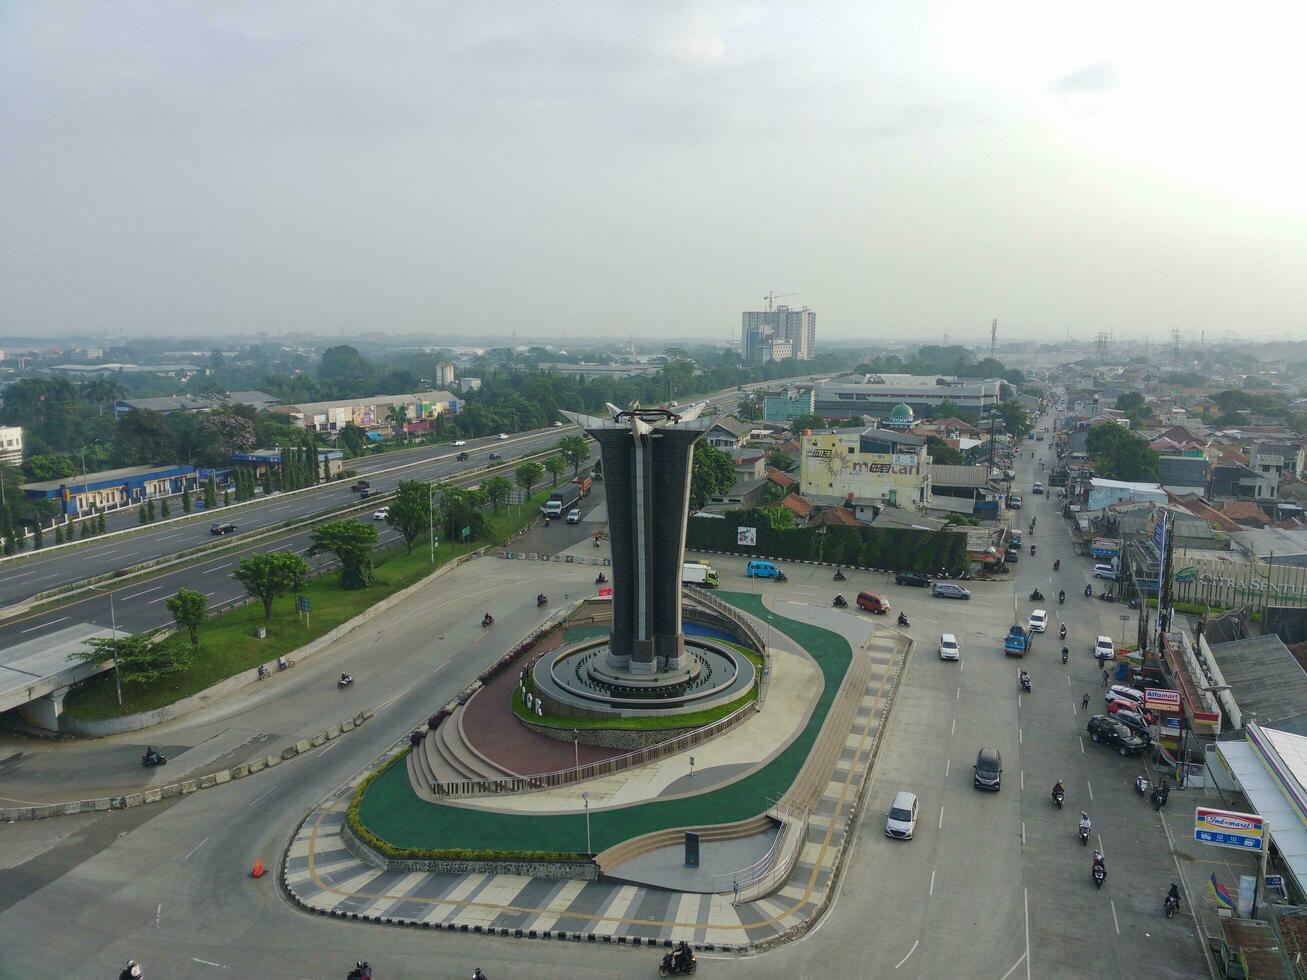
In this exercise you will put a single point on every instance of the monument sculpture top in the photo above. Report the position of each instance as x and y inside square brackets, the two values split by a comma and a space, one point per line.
[647, 455]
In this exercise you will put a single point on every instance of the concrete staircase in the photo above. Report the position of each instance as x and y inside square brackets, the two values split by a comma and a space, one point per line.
[445, 756]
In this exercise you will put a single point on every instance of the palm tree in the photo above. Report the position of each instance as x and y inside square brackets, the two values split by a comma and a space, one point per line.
[397, 417]
[101, 390]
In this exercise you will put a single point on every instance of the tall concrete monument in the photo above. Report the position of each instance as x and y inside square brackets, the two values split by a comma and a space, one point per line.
[647, 455]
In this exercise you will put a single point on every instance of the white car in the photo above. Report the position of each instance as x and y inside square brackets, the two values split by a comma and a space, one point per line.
[574, 516]
[502, 436]
[1104, 571]
[948, 647]
[902, 818]
[380, 515]
[1038, 621]
[460, 442]
[558, 425]
[1103, 648]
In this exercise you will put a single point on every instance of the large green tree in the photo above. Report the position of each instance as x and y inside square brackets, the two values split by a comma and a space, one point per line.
[189, 609]
[555, 464]
[271, 574]
[577, 449]
[528, 474]
[1119, 454]
[496, 489]
[712, 474]
[353, 543]
[141, 658]
[410, 512]
[143, 438]
[942, 453]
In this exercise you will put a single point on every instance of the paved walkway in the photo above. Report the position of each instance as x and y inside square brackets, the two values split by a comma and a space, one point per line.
[321, 874]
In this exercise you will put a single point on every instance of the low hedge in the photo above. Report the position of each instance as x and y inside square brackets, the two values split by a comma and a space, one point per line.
[388, 850]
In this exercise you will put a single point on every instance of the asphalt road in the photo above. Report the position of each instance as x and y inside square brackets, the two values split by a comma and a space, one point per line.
[43, 571]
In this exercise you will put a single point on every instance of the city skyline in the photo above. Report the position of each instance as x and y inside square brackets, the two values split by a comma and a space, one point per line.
[191, 171]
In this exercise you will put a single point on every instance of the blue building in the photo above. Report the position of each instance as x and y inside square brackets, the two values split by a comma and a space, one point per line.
[112, 488]
[261, 460]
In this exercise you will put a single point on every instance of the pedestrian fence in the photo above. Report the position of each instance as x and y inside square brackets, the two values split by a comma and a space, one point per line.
[767, 873]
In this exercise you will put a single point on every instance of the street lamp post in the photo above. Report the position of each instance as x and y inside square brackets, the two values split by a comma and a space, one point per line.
[585, 795]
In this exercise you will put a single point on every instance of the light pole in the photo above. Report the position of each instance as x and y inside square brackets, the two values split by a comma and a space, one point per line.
[585, 795]
[576, 745]
[113, 630]
[431, 521]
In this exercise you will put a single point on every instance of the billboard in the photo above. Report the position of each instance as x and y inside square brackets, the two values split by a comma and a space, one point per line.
[746, 536]
[1105, 548]
[1226, 828]
[1161, 700]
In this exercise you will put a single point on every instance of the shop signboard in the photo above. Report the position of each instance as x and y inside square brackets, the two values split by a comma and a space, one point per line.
[1161, 700]
[1226, 828]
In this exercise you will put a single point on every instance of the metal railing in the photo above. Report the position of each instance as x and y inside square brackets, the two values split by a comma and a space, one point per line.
[766, 874]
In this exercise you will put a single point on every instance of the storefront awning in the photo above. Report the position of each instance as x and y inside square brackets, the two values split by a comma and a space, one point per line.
[1271, 767]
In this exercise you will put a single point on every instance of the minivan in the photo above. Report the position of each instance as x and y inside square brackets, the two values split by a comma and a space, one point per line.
[873, 603]
[988, 769]
[902, 818]
[1119, 692]
[948, 647]
[761, 569]
[1104, 571]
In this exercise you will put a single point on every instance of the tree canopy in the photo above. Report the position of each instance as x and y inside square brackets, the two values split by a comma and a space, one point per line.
[352, 542]
[712, 474]
[189, 609]
[1119, 454]
[271, 574]
[410, 511]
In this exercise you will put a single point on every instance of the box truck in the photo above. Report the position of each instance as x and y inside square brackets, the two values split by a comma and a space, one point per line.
[561, 501]
[699, 573]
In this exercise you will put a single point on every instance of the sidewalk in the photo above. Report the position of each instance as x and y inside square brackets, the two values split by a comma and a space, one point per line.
[322, 875]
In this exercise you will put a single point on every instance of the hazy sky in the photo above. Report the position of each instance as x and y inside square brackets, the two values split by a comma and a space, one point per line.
[613, 168]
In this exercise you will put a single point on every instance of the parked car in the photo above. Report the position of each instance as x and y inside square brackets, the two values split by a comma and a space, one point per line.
[1132, 698]
[1014, 501]
[461, 457]
[902, 818]
[947, 590]
[1127, 707]
[1038, 621]
[948, 647]
[225, 527]
[873, 603]
[911, 578]
[380, 515]
[1013, 556]
[1134, 721]
[1105, 571]
[1103, 649]
[988, 769]
[1108, 731]
[574, 516]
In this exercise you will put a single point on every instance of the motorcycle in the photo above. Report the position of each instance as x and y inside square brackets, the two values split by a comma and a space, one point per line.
[1061, 596]
[839, 575]
[541, 599]
[1100, 875]
[487, 620]
[1141, 785]
[1084, 836]
[1158, 798]
[1024, 681]
[345, 681]
[1065, 654]
[152, 759]
[1036, 596]
[840, 602]
[601, 578]
[285, 663]
[1061, 632]
[1172, 906]
[1057, 564]
[361, 971]
[1033, 551]
[1058, 797]
[903, 620]
[1107, 597]
[669, 967]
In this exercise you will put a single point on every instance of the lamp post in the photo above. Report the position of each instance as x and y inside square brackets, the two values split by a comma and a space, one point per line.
[585, 795]
[576, 745]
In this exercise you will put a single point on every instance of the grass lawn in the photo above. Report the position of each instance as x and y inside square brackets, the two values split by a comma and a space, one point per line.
[695, 719]
[389, 809]
[227, 642]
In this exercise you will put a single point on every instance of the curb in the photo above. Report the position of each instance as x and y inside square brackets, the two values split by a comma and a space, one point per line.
[185, 787]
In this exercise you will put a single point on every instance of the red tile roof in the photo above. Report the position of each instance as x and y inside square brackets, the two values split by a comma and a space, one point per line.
[1245, 512]
[801, 506]
[837, 515]
[779, 478]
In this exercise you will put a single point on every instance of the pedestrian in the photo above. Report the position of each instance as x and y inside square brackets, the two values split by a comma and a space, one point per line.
[1084, 702]
[1106, 677]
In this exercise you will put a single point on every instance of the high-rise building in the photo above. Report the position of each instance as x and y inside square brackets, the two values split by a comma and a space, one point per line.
[761, 329]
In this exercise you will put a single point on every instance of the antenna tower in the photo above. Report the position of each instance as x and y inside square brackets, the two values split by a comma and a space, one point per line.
[993, 337]
[1100, 346]
[1175, 347]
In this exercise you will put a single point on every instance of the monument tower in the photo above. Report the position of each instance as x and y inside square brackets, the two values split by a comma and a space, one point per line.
[647, 455]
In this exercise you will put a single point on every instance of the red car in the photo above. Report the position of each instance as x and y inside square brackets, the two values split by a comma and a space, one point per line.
[1120, 705]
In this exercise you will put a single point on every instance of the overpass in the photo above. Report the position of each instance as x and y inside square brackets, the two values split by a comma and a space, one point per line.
[36, 674]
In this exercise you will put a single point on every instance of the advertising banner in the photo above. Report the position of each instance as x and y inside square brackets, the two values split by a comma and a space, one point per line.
[1226, 828]
[746, 536]
[1161, 700]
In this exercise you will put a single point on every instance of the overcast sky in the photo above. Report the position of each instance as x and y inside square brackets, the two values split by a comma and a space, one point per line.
[608, 168]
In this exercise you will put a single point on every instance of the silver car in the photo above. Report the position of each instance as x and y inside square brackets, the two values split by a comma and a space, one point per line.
[902, 819]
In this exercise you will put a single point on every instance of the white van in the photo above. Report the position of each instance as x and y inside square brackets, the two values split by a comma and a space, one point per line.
[948, 647]
[1105, 571]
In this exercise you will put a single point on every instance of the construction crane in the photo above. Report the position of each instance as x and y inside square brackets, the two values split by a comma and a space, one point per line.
[772, 296]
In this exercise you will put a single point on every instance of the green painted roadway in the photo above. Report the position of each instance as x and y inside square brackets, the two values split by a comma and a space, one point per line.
[391, 811]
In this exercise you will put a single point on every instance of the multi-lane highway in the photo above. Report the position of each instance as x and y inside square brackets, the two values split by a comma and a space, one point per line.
[39, 573]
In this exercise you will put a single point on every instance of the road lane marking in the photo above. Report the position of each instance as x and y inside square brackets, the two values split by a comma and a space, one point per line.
[1091, 790]
[382, 707]
[941, 819]
[947, 763]
[910, 952]
[328, 747]
[261, 795]
[1021, 738]
[1068, 680]
[932, 882]
[150, 602]
[1101, 850]
[1026, 901]
[1009, 973]
[1082, 745]
[955, 727]
[167, 536]
[1018, 700]
[158, 913]
[195, 848]
[141, 593]
[1023, 833]
[1023, 780]
[44, 625]
[1114, 922]
[196, 959]
[958, 696]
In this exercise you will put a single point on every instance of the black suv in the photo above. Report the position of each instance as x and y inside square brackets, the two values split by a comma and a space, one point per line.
[988, 769]
[461, 456]
[224, 528]
[1135, 722]
[361, 485]
[1109, 731]
[911, 578]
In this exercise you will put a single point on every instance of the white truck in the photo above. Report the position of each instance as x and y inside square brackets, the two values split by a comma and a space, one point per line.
[699, 573]
[561, 501]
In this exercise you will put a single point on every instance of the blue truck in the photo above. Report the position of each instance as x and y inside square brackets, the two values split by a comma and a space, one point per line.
[1017, 642]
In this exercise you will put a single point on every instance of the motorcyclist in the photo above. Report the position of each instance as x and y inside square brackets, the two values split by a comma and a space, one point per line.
[1065, 654]
[1173, 896]
[1061, 632]
[346, 679]
[541, 599]
[151, 753]
[1089, 590]
[839, 575]
[1098, 859]
[487, 620]
[601, 578]
[281, 663]
[1036, 595]
[263, 671]
[903, 619]
[1059, 788]
[132, 971]
[1057, 564]
[1061, 595]
[1085, 825]
[840, 602]
[478, 975]
[1033, 550]
[682, 955]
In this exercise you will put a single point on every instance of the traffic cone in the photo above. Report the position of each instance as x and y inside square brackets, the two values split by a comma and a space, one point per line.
[258, 870]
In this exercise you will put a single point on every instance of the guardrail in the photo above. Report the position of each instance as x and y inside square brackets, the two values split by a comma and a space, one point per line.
[769, 870]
